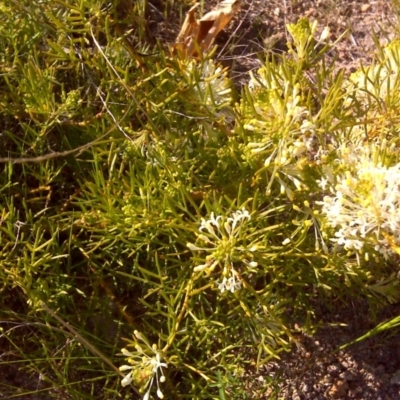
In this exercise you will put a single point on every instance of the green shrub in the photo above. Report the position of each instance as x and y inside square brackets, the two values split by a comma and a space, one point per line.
[139, 194]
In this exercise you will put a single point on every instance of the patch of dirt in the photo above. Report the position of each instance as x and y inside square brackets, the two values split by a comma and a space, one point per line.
[368, 370]
[260, 26]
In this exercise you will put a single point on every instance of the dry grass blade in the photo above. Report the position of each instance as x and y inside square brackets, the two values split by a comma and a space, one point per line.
[83, 341]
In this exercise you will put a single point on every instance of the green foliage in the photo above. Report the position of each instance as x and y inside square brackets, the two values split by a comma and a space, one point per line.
[138, 194]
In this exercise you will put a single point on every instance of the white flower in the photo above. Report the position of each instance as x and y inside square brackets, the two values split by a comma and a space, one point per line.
[128, 378]
[146, 396]
[364, 205]
[230, 284]
[222, 238]
[193, 247]
[323, 183]
[237, 217]
[209, 224]
[201, 267]
[213, 227]
[324, 35]
[210, 83]
[141, 361]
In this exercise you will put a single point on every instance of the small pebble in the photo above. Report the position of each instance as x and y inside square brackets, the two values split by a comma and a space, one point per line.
[348, 375]
[395, 379]
[305, 388]
[345, 364]
[365, 7]
[334, 369]
[338, 389]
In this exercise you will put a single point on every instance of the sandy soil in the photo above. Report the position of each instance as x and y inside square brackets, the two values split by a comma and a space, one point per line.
[260, 26]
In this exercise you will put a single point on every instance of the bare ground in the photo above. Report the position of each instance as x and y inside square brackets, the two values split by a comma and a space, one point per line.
[260, 26]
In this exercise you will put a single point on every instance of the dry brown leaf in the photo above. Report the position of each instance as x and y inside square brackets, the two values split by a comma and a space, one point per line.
[200, 34]
[188, 30]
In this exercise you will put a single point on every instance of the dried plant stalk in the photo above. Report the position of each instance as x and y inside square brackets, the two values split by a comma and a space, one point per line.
[188, 30]
[200, 34]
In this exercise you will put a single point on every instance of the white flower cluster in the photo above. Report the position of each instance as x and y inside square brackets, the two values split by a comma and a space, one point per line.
[221, 240]
[210, 83]
[364, 202]
[378, 81]
[278, 104]
[282, 101]
[144, 369]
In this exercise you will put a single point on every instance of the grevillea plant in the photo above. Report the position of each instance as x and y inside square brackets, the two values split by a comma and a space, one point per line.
[142, 197]
[306, 205]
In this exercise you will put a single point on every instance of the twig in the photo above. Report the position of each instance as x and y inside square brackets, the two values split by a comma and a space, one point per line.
[25, 160]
